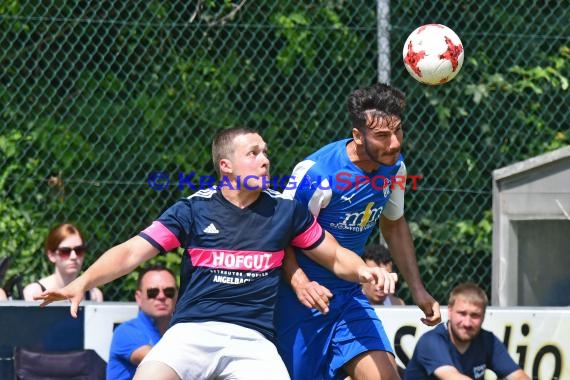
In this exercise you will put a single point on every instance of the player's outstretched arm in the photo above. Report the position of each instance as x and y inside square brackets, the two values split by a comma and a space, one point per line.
[114, 263]
[349, 266]
[399, 239]
[310, 293]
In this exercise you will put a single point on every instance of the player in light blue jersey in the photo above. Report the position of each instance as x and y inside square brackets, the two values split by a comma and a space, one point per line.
[350, 186]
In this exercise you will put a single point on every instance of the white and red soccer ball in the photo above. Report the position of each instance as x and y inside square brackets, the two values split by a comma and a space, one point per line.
[433, 54]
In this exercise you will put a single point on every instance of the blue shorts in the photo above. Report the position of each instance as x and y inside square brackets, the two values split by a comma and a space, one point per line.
[315, 346]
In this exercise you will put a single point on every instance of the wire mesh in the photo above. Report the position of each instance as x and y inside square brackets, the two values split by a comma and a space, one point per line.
[97, 96]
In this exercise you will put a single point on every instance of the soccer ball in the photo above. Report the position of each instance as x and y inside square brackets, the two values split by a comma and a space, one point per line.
[433, 54]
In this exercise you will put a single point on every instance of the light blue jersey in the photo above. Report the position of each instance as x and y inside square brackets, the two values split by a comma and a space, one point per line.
[348, 203]
[346, 200]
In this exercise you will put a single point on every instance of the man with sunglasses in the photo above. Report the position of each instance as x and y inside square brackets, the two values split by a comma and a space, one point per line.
[132, 340]
[234, 237]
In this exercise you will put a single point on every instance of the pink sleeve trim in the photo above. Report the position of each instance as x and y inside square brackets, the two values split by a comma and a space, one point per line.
[162, 235]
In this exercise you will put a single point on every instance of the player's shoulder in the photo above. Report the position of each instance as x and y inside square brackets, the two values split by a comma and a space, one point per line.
[332, 149]
[402, 165]
[204, 194]
[193, 201]
[274, 194]
[283, 202]
[330, 158]
[277, 196]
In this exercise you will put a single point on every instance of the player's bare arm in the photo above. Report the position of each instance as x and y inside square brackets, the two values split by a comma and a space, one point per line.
[349, 266]
[399, 239]
[310, 293]
[114, 263]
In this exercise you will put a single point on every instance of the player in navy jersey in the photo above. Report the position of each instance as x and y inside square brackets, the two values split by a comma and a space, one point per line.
[350, 186]
[234, 237]
[460, 348]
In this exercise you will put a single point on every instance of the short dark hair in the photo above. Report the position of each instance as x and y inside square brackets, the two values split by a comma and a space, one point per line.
[222, 146]
[152, 268]
[377, 253]
[382, 99]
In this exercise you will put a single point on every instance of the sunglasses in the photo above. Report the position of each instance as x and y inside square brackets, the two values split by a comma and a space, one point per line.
[169, 292]
[65, 252]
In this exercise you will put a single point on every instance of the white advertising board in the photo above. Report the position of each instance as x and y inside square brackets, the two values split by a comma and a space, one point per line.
[100, 321]
[537, 338]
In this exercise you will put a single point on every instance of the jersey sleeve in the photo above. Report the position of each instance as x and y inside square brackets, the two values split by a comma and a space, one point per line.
[308, 187]
[501, 362]
[394, 208]
[308, 232]
[431, 353]
[172, 229]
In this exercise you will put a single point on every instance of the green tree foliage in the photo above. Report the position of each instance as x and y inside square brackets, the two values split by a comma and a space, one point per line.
[97, 95]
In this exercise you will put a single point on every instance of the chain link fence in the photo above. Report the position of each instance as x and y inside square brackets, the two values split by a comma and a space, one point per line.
[97, 96]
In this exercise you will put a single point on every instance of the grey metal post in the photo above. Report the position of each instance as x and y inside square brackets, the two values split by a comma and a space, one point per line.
[383, 38]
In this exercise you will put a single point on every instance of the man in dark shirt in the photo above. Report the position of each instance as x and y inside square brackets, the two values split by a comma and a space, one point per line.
[460, 348]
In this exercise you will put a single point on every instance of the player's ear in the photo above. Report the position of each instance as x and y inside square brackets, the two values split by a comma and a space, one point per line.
[225, 166]
[357, 136]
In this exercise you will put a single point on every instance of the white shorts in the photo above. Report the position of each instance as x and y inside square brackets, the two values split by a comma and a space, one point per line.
[211, 350]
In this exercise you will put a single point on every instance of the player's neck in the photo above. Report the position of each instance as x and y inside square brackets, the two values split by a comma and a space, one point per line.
[240, 198]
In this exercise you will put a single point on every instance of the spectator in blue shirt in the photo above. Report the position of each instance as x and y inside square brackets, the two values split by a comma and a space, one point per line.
[460, 348]
[132, 340]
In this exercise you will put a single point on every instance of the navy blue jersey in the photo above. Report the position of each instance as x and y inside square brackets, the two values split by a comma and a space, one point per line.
[434, 349]
[231, 264]
[346, 200]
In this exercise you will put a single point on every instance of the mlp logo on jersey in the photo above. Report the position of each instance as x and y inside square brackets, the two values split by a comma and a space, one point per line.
[360, 220]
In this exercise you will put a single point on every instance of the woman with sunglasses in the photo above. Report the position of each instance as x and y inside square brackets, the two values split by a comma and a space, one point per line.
[65, 248]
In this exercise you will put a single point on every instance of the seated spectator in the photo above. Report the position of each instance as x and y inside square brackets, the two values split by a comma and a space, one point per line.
[65, 248]
[460, 348]
[3, 296]
[376, 255]
[132, 340]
